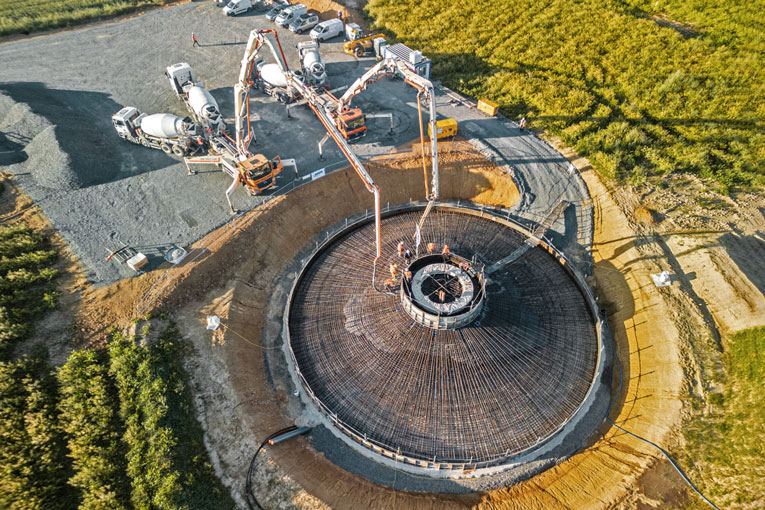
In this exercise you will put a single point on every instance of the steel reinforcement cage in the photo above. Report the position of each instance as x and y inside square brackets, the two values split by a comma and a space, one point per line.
[409, 458]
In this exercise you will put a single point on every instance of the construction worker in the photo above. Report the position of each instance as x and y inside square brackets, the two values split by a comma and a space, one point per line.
[408, 275]
[400, 248]
[194, 41]
[522, 123]
[407, 256]
[445, 252]
[465, 266]
[389, 283]
[431, 247]
[442, 295]
[394, 270]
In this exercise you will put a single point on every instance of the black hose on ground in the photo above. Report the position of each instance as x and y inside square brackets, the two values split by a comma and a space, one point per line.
[249, 496]
[663, 452]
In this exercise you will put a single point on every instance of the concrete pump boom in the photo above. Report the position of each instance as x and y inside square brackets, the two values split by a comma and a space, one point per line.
[242, 88]
[271, 39]
[332, 130]
[422, 85]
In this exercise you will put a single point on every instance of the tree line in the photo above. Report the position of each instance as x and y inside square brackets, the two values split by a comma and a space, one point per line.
[111, 429]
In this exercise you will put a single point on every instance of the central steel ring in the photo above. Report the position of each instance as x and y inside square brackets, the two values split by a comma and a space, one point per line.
[445, 292]
[430, 300]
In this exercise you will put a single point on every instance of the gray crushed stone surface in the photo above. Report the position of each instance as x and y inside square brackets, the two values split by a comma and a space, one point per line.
[101, 191]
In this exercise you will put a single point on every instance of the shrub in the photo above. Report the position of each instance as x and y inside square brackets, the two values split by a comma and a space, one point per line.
[89, 417]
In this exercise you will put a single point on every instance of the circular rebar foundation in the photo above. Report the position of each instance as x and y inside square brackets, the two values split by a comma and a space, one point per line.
[462, 397]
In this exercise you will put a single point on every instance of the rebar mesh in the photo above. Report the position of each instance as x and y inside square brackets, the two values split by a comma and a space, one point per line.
[475, 394]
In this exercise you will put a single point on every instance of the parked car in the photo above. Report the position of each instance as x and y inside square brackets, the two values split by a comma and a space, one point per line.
[275, 11]
[289, 15]
[304, 22]
[327, 30]
[235, 7]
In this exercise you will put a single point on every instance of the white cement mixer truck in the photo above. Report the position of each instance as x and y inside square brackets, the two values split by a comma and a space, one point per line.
[312, 64]
[163, 131]
[275, 84]
[198, 100]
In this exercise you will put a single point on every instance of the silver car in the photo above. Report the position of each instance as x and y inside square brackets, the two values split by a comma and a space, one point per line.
[304, 22]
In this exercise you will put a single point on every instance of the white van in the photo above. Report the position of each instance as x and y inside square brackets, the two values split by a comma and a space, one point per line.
[327, 30]
[290, 14]
[235, 7]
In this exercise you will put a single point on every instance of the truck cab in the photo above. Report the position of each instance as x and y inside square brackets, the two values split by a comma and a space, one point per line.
[290, 14]
[352, 124]
[181, 77]
[235, 7]
[258, 173]
[304, 22]
[126, 121]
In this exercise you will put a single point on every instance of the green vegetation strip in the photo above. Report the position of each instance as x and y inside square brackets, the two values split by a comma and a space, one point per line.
[726, 446]
[642, 88]
[25, 16]
[26, 289]
[111, 429]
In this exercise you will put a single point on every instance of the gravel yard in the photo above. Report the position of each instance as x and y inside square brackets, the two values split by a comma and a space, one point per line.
[58, 92]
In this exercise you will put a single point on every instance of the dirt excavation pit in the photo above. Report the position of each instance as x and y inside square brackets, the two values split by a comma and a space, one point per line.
[236, 275]
[237, 374]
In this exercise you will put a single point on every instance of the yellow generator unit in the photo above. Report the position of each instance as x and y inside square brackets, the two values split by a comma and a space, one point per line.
[490, 108]
[444, 128]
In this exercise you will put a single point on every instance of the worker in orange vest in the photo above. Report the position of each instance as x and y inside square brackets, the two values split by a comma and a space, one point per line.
[394, 270]
[445, 252]
[389, 284]
[194, 41]
[400, 248]
[442, 295]
[431, 247]
[408, 275]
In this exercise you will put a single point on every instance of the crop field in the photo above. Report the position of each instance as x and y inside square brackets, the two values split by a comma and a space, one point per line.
[26, 291]
[25, 16]
[82, 435]
[728, 440]
[644, 89]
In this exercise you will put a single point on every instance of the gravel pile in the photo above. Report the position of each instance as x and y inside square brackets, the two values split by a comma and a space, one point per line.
[66, 146]
[48, 164]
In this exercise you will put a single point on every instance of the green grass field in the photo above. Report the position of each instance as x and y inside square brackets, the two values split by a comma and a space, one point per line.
[25, 16]
[726, 446]
[644, 88]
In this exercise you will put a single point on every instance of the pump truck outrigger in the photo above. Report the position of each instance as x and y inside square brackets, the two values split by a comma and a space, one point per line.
[256, 172]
